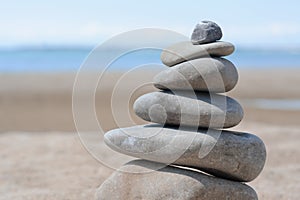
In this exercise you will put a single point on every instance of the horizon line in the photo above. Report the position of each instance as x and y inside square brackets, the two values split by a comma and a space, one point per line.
[70, 47]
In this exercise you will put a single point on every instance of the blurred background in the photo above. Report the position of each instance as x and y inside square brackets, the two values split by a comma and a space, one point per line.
[44, 43]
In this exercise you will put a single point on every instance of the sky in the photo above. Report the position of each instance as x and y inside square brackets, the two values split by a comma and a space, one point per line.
[256, 23]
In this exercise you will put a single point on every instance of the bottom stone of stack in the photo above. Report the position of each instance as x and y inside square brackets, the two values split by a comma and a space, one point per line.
[131, 182]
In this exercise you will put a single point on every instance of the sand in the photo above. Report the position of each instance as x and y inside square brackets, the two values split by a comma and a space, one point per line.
[42, 156]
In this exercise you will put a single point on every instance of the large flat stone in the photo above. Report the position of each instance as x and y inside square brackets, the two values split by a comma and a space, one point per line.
[169, 183]
[230, 155]
[189, 109]
[184, 51]
[203, 74]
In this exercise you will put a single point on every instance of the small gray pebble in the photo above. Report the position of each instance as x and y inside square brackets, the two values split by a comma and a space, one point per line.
[206, 32]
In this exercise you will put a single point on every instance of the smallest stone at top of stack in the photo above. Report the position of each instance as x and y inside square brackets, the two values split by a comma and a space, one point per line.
[206, 32]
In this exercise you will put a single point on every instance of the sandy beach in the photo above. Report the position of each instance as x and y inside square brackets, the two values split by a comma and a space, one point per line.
[42, 156]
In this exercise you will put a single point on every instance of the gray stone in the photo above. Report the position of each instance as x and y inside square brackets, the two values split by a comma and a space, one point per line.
[169, 183]
[206, 32]
[184, 51]
[226, 154]
[204, 74]
[189, 109]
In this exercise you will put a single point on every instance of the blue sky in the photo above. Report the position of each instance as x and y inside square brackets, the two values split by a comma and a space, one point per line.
[58, 22]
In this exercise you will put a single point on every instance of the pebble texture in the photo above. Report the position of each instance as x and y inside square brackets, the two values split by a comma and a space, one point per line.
[204, 74]
[169, 183]
[189, 109]
[184, 51]
[206, 32]
[233, 155]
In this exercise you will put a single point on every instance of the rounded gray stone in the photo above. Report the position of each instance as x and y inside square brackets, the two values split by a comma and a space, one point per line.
[233, 155]
[169, 183]
[203, 74]
[206, 32]
[189, 109]
[184, 51]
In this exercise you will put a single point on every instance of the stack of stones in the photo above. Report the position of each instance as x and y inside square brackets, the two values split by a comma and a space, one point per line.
[190, 116]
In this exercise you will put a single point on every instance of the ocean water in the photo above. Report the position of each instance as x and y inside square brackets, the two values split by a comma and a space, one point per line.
[273, 104]
[70, 59]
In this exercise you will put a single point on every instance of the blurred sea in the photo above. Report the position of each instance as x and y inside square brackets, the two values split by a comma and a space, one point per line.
[70, 59]
[47, 60]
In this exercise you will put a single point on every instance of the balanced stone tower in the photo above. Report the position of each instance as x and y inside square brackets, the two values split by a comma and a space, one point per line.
[201, 161]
